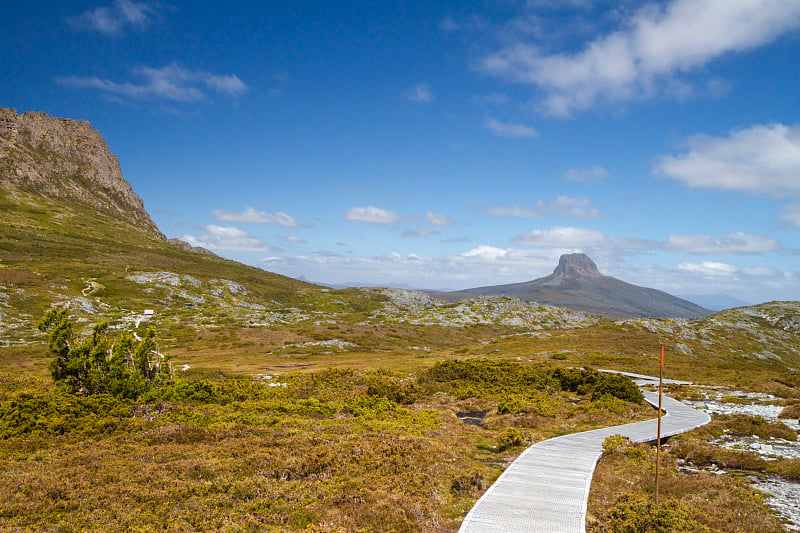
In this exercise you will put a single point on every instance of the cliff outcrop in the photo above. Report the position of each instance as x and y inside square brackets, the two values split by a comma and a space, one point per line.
[69, 160]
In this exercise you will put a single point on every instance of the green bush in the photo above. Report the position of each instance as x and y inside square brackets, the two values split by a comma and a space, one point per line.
[618, 386]
[391, 388]
[640, 516]
[637, 453]
[490, 377]
[198, 391]
[508, 439]
[100, 364]
[614, 442]
[584, 381]
[508, 405]
[61, 413]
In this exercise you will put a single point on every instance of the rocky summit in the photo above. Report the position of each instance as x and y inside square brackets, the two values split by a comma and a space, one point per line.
[67, 160]
[577, 284]
[571, 268]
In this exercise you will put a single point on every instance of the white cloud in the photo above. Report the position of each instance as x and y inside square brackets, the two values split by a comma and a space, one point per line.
[760, 160]
[438, 219]
[294, 239]
[709, 268]
[373, 215]
[171, 82]
[490, 253]
[735, 243]
[655, 45]
[251, 215]
[507, 129]
[421, 93]
[227, 238]
[117, 17]
[790, 215]
[565, 206]
[565, 237]
[596, 173]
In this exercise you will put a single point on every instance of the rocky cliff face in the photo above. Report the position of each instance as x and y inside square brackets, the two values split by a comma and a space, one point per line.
[570, 270]
[66, 159]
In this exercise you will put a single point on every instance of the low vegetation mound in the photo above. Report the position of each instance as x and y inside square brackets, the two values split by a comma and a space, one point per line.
[462, 378]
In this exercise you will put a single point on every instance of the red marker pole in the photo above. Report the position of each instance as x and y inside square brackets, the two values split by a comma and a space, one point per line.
[660, 393]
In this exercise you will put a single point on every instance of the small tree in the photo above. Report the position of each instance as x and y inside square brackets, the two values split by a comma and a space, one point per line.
[123, 366]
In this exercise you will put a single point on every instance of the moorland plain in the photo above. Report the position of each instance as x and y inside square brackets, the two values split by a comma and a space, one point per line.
[295, 407]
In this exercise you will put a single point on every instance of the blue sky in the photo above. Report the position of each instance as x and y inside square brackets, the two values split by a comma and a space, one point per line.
[444, 145]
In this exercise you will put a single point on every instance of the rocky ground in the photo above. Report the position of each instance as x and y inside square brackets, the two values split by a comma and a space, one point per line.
[415, 307]
[782, 495]
[209, 303]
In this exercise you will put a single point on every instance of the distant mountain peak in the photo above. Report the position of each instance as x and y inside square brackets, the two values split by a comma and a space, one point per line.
[577, 284]
[576, 265]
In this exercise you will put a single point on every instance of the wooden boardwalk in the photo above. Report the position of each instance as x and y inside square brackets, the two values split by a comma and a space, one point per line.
[546, 489]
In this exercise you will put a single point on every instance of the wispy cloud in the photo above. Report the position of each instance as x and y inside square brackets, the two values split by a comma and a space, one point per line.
[117, 17]
[418, 233]
[438, 219]
[294, 239]
[760, 160]
[448, 25]
[508, 129]
[421, 93]
[280, 82]
[260, 217]
[373, 215]
[522, 211]
[573, 207]
[646, 57]
[596, 173]
[564, 206]
[709, 268]
[172, 82]
[735, 243]
[790, 215]
[563, 237]
[227, 238]
[497, 99]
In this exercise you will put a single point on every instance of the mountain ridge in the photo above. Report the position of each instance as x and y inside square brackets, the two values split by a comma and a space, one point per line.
[577, 284]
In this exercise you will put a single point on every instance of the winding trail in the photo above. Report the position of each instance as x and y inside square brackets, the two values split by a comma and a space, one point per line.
[546, 489]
